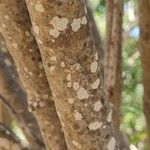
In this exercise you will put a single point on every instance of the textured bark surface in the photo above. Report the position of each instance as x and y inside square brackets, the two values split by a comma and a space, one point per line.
[15, 27]
[144, 11]
[7, 144]
[71, 63]
[15, 104]
[113, 72]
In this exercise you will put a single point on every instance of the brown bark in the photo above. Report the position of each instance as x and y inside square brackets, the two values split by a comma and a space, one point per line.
[15, 106]
[7, 144]
[144, 12]
[113, 72]
[70, 60]
[15, 27]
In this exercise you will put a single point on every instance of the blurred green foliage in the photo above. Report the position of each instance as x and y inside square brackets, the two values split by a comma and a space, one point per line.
[133, 122]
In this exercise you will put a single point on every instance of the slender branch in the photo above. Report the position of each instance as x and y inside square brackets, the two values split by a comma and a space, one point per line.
[10, 134]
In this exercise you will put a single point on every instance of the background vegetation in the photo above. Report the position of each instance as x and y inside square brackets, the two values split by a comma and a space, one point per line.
[133, 122]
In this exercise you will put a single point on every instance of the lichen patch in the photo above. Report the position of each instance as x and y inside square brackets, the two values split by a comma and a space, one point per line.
[62, 64]
[94, 66]
[39, 7]
[76, 24]
[71, 100]
[95, 125]
[97, 106]
[96, 56]
[76, 86]
[95, 85]
[59, 24]
[69, 84]
[82, 94]
[53, 58]
[53, 32]
[77, 115]
[109, 118]
[111, 144]
[68, 77]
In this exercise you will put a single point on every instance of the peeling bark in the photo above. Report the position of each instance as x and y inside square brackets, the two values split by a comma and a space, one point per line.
[15, 27]
[144, 12]
[71, 63]
[113, 72]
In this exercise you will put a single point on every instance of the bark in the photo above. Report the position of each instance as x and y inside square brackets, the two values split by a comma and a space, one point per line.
[113, 72]
[71, 63]
[144, 13]
[15, 27]
[14, 102]
[95, 33]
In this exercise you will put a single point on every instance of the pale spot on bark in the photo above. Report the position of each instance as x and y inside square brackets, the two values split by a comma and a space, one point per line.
[76, 24]
[30, 73]
[68, 77]
[36, 29]
[26, 69]
[77, 66]
[109, 118]
[76, 86]
[59, 24]
[95, 85]
[75, 143]
[77, 115]
[39, 7]
[96, 56]
[71, 100]
[41, 65]
[95, 125]
[69, 84]
[27, 33]
[3, 25]
[98, 106]
[6, 17]
[30, 50]
[82, 93]
[39, 41]
[14, 45]
[63, 64]
[94, 66]
[84, 20]
[52, 68]
[35, 104]
[111, 144]
[53, 58]
[53, 32]
[41, 104]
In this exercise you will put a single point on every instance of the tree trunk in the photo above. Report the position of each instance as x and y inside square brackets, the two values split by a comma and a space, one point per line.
[15, 102]
[71, 63]
[144, 12]
[15, 27]
[113, 72]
